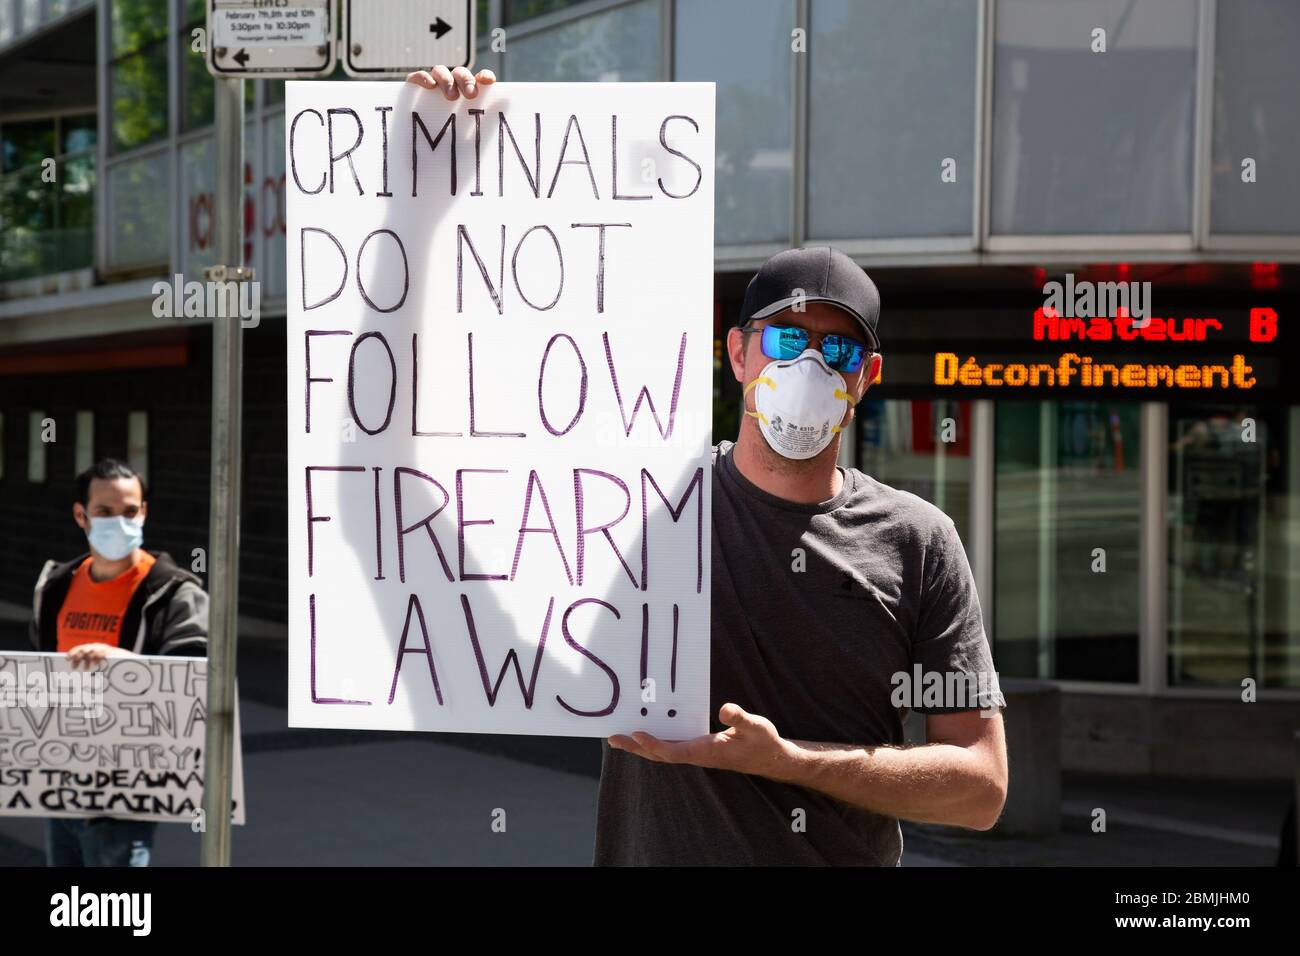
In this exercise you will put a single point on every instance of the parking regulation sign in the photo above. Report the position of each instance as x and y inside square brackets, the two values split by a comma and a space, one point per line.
[270, 38]
[395, 37]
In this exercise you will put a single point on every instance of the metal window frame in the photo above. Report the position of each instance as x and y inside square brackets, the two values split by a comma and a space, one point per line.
[1073, 244]
[667, 39]
[99, 260]
[61, 113]
[801, 82]
[174, 17]
[983, 122]
[983, 516]
[484, 56]
[1153, 547]
[272, 305]
[1204, 117]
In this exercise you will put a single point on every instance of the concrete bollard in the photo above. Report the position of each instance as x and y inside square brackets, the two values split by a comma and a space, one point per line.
[1033, 727]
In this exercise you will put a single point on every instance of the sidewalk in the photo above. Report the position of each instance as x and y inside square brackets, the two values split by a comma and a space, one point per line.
[372, 800]
[321, 798]
[1149, 822]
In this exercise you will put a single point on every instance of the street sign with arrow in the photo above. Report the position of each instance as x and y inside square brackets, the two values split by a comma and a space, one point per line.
[396, 37]
[268, 40]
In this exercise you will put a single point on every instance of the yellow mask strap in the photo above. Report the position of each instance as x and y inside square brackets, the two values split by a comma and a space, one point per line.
[840, 393]
[761, 380]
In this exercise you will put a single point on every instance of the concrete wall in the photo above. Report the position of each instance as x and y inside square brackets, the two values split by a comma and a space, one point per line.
[1179, 737]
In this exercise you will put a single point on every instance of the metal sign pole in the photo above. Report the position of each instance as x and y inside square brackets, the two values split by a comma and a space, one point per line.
[223, 527]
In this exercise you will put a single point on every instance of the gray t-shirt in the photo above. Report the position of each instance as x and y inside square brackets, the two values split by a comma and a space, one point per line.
[884, 585]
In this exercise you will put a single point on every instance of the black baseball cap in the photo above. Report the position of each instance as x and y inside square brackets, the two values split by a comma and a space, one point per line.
[815, 274]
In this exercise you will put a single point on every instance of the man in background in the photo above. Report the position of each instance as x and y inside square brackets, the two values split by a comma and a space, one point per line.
[115, 600]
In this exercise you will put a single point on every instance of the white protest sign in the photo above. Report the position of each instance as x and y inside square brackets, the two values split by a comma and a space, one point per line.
[500, 361]
[124, 740]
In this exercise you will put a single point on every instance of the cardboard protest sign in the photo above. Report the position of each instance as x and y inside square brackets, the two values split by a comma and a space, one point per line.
[500, 360]
[124, 740]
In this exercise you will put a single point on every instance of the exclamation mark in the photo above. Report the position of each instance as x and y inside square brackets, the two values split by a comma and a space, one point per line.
[645, 647]
[645, 654]
[672, 666]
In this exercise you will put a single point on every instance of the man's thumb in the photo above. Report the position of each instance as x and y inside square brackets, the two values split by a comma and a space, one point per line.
[733, 716]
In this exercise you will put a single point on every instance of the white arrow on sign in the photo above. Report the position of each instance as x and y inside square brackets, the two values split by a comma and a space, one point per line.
[399, 36]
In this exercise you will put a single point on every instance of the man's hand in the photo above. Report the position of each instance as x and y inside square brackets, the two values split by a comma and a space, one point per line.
[750, 744]
[89, 656]
[453, 83]
[959, 778]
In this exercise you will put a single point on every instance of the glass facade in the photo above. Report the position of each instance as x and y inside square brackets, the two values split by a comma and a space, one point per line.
[1067, 524]
[1256, 124]
[47, 195]
[517, 10]
[1090, 139]
[621, 44]
[900, 117]
[19, 18]
[755, 118]
[137, 73]
[1081, 142]
[138, 201]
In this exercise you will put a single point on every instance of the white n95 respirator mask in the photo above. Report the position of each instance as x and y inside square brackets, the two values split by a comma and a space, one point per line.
[800, 403]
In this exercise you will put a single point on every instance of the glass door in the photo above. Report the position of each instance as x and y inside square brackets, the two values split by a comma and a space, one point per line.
[1218, 559]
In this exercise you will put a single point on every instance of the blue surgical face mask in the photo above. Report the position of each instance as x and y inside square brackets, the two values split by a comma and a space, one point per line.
[114, 538]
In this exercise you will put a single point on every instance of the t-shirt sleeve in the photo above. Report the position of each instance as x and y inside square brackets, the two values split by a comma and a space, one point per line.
[949, 642]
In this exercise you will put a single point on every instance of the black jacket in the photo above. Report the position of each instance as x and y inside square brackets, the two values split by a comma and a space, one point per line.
[167, 614]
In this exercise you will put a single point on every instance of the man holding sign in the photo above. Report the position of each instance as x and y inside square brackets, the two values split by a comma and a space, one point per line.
[116, 600]
[831, 593]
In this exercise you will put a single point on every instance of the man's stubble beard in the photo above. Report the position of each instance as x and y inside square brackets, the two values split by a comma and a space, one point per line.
[777, 463]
